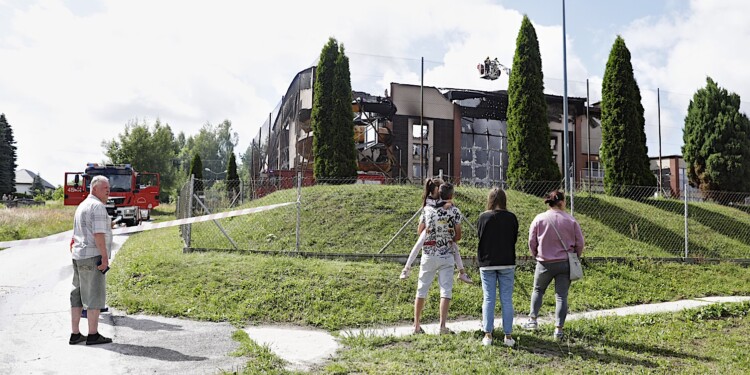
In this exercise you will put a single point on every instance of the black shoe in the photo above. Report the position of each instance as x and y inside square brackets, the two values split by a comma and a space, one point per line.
[76, 338]
[96, 339]
[104, 309]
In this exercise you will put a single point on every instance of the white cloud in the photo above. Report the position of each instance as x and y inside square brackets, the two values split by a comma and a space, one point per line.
[73, 78]
[678, 51]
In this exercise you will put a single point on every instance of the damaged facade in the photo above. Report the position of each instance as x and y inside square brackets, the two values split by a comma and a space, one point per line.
[415, 132]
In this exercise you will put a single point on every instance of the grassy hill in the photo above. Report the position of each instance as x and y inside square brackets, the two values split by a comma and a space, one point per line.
[151, 274]
[363, 218]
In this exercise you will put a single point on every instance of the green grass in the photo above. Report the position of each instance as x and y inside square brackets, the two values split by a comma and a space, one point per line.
[36, 221]
[40, 221]
[362, 218]
[262, 360]
[708, 340]
[163, 212]
[152, 275]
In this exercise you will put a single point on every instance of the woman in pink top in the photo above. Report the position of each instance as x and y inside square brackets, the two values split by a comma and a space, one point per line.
[550, 251]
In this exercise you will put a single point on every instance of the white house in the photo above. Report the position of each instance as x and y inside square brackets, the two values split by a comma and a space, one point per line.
[24, 180]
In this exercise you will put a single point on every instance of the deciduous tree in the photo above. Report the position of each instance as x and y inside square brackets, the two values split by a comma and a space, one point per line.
[148, 149]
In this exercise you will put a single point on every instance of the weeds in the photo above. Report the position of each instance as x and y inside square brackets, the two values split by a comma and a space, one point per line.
[32, 222]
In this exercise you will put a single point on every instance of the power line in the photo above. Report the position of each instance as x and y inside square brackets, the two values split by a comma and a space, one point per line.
[416, 59]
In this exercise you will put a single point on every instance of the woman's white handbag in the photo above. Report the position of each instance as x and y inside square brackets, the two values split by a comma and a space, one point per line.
[576, 271]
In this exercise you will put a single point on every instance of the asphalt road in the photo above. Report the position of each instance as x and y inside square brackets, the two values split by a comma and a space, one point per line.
[35, 284]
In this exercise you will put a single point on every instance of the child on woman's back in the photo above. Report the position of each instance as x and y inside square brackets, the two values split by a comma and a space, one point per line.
[431, 199]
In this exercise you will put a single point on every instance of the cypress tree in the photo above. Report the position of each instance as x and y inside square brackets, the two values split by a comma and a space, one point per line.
[717, 141]
[344, 163]
[232, 168]
[623, 151]
[334, 151]
[232, 177]
[8, 157]
[322, 116]
[36, 185]
[529, 153]
[196, 169]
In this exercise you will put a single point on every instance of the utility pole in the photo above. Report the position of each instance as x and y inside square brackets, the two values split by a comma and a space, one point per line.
[588, 133]
[423, 167]
[566, 151]
[658, 111]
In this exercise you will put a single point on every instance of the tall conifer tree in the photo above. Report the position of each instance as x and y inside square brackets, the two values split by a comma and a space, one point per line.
[8, 157]
[332, 117]
[196, 169]
[623, 151]
[529, 153]
[232, 177]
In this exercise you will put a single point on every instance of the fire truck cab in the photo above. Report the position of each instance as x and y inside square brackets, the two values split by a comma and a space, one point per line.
[132, 194]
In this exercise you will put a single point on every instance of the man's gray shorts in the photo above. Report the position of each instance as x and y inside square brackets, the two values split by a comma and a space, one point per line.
[89, 284]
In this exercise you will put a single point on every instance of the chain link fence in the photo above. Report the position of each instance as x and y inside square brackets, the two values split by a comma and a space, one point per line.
[379, 218]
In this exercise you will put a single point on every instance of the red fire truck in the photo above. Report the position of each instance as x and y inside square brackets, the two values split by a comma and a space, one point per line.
[132, 194]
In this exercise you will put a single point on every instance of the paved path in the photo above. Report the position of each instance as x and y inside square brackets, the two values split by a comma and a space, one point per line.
[35, 326]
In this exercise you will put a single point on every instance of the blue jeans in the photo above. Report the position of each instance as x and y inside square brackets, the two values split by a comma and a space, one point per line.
[490, 281]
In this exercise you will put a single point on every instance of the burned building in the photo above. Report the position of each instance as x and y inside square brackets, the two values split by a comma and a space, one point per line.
[416, 131]
[465, 132]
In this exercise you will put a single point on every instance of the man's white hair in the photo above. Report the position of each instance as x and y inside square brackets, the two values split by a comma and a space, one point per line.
[97, 180]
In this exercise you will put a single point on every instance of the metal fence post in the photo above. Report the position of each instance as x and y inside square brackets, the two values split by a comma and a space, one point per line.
[242, 192]
[684, 189]
[189, 212]
[299, 205]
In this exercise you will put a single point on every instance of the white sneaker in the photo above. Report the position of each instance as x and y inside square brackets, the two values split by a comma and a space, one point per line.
[530, 324]
[404, 274]
[486, 341]
[509, 342]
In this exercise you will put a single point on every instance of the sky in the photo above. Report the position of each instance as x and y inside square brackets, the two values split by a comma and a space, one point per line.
[75, 72]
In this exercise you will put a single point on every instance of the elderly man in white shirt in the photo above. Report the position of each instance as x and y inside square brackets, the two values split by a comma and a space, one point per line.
[92, 243]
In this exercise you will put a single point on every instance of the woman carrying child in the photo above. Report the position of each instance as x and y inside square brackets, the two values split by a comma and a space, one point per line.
[431, 198]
